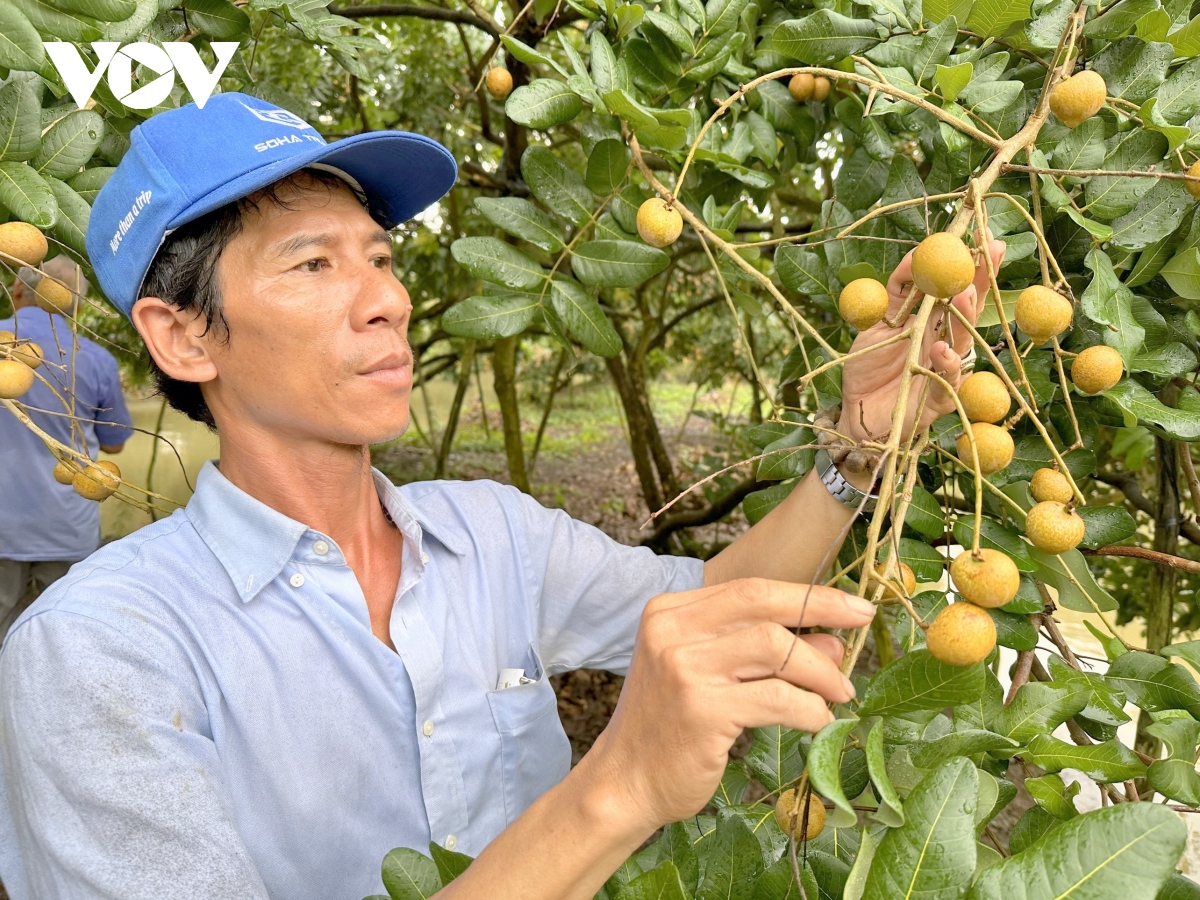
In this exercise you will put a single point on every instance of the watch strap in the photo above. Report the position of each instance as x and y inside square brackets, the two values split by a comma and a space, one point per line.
[841, 489]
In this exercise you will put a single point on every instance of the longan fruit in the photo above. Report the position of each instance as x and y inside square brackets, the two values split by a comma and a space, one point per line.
[23, 242]
[1053, 527]
[993, 443]
[942, 265]
[54, 296]
[1097, 369]
[499, 82]
[97, 481]
[1193, 187]
[801, 87]
[1043, 313]
[15, 379]
[962, 634]
[29, 353]
[821, 89]
[1078, 98]
[786, 806]
[863, 303]
[984, 397]
[990, 579]
[658, 224]
[63, 473]
[1050, 484]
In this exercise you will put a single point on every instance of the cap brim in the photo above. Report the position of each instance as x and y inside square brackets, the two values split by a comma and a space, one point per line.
[401, 174]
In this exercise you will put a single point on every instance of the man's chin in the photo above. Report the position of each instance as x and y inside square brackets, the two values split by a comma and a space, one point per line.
[389, 429]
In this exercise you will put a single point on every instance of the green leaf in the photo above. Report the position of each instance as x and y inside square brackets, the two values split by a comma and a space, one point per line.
[776, 756]
[104, 10]
[137, 24]
[1106, 525]
[529, 55]
[522, 219]
[759, 503]
[543, 103]
[1119, 19]
[73, 215]
[1052, 795]
[607, 166]
[722, 16]
[1186, 40]
[993, 18]
[932, 855]
[1133, 69]
[952, 79]
[1153, 683]
[584, 318]
[218, 19]
[1179, 887]
[779, 883]
[1143, 407]
[1188, 651]
[20, 117]
[1069, 575]
[918, 681]
[971, 742]
[676, 845]
[1014, 631]
[20, 44]
[1156, 215]
[409, 875]
[559, 188]
[732, 789]
[1109, 196]
[925, 514]
[824, 36]
[660, 883]
[1106, 301]
[617, 263]
[995, 536]
[1039, 708]
[803, 271]
[825, 766]
[53, 24]
[1182, 273]
[733, 861]
[492, 317]
[449, 864]
[1123, 851]
[69, 143]
[27, 195]
[494, 260]
[1108, 762]
[891, 808]
[792, 456]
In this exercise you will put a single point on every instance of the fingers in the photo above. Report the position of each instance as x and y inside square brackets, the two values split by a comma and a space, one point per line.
[768, 650]
[970, 304]
[983, 281]
[749, 601]
[761, 704]
[829, 644]
[899, 284]
[946, 362]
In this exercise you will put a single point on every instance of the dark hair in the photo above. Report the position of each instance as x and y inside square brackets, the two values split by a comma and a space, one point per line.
[184, 273]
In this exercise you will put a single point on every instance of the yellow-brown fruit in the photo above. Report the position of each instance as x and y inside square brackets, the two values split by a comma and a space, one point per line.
[1097, 369]
[942, 265]
[863, 302]
[1078, 98]
[15, 379]
[962, 634]
[801, 87]
[1050, 484]
[29, 353]
[98, 481]
[7, 337]
[990, 579]
[1193, 187]
[984, 397]
[63, 473]
[994, 444]
[786, 806]
[1042, 313]
[499, 83]
[821, 88]
[908, 578]
[1053, 528]
[54, 296]
[659, 224]
[22, 242]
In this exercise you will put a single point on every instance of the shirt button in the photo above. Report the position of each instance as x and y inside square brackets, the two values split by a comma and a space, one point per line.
[297, 580]
[424, 557]
[428, 728]
[320, 548]
[451, 842]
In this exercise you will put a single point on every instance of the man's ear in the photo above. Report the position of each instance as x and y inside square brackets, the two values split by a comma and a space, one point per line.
[178, 340]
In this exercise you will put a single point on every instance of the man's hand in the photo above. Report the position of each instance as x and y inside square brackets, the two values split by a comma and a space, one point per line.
[706, 665]
[871, 383]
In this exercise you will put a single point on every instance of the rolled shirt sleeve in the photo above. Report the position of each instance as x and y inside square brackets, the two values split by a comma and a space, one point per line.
[115, 788]
[592, 588]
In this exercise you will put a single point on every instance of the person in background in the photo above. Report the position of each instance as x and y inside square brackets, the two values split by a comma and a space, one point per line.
[45, 527]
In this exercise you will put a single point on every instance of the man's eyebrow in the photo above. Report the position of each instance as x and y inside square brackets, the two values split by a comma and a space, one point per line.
[296, 243]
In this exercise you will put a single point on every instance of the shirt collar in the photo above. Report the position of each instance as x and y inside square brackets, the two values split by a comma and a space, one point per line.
[253, 542]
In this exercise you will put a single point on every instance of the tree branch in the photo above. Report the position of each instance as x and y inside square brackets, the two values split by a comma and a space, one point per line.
[413, 11]
[1154, 556]
[693, 518]
[1128, 486]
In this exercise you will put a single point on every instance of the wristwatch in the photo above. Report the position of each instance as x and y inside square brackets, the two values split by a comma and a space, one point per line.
[841, 489]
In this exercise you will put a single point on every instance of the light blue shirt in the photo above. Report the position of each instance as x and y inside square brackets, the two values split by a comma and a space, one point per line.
[201, 710]
[41, 519]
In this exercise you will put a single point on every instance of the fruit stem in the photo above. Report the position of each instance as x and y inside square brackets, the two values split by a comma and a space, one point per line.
[970, 433]
[1066, 389]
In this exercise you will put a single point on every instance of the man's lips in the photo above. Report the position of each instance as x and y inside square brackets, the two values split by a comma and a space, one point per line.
[395, 370]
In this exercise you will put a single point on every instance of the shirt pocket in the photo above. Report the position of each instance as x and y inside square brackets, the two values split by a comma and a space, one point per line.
[535, 752]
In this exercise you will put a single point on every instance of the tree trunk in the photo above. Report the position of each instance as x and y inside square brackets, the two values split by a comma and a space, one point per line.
[639, 439]
[1160, 603]
[466, 360]
[504, 366]
[658, 448]
[550, 394]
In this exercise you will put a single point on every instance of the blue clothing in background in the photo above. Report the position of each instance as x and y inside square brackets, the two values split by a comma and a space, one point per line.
[41, 519]
[201, 709]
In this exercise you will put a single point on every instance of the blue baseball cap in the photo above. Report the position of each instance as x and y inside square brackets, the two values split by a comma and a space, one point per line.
[187, 162]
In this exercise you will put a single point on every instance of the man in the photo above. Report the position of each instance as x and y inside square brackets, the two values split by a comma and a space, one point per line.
[45, 527]
[262, 694]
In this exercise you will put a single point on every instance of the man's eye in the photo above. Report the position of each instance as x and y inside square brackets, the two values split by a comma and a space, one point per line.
[312, 265]
[383, 262]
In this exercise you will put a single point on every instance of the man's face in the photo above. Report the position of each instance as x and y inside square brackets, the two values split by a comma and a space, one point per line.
[318, 324]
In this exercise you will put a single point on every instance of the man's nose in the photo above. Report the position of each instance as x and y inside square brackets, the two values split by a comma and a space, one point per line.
[383, 300]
